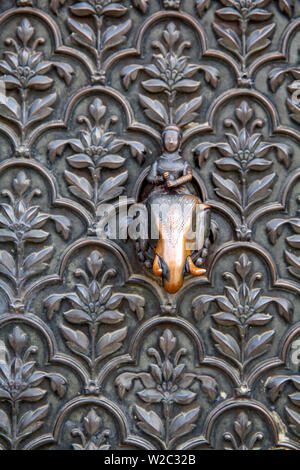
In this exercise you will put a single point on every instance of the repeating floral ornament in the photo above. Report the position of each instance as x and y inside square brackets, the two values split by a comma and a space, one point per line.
[172, 74]
[167, 383]
[276, 78]
[22, 224]
[239, 40]
[94, 307]
[94, 354]
[97, 148]
[275, 386]
[25, 70]
[274, 229]
[242, 307]
[98, 40]
[19, 383]
[244, 152]
[242, 437]
[91, 433]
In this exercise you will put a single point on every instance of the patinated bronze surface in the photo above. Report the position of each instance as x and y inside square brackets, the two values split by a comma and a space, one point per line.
[147, 343]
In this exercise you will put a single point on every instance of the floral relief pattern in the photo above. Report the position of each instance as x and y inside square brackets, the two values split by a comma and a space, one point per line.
[167, 383]
[25, 70]
[94, 305]
[242, 438]
[21, 224]
[244, 152]
[19, 383]
[96, 149]
[242, 307]
[89, 433]
[95, 352]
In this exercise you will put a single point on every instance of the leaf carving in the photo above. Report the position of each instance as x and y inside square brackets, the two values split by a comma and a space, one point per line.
[226, 344]
[149, 422]
[110, 342]
[184, 422]
[76, 339]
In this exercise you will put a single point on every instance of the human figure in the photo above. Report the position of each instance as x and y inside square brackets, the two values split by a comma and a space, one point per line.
[170, 169]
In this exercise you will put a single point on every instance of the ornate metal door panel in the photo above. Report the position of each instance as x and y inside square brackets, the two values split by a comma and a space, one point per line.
[95, 351]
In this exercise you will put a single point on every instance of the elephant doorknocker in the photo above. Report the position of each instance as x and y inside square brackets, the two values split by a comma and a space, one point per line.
[181, 220]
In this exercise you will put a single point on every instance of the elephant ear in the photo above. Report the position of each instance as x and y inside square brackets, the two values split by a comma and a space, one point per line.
[203, 226]
[214, 229]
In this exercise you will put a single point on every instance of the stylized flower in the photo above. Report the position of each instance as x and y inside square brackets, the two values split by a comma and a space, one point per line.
[98, 7]
[244, 9]
[170, 70]
[91, 301]
[19, 379]
[243, 304]
[167, 381]
[90, 435]
[25, 68]
[172, 4]
[245, 148]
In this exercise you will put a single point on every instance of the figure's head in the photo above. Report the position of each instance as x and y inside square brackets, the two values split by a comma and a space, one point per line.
[171, 138]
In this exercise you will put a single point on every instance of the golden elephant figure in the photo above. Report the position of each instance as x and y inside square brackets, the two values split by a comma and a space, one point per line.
[181, 224]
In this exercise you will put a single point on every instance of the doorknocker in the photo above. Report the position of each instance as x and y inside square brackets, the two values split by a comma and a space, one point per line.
[181, 220]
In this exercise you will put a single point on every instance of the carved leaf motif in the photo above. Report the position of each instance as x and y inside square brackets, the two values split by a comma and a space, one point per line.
[202, 5]
[286, 6]
[82, 9]
[260, 189]
[80, 186]
[185, 112]
[10, 108]
[226, 344]
[276, 78]
[259, 38]
[114, 35]
[141, 4]
[130, 73]
[65, 71]
[209, 385]
[211, 76]
[32, 420]
[258, 344]
[36, 258]
[112, 188]
[226, 188]
[201, 304]
[275, 385]
[84, 31]
[7, 263]
[154, 110]
[294, 419]
[110, 342]
[4, 423]
[228, 38]
[40, 108]
[136, 304]
[228, 14]
[167, 342]
[149, 422]
[76, 340]
[184, 422]
[242, 426]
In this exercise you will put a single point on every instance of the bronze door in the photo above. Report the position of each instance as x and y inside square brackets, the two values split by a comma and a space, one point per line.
[114, 343]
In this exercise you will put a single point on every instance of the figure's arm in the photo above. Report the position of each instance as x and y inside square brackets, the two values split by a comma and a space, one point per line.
[153, 176]
[187, 176]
